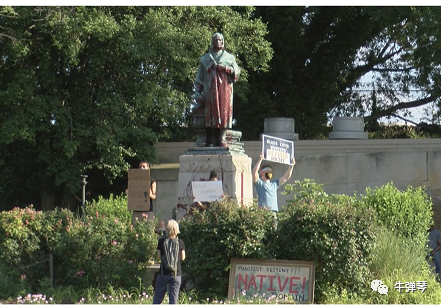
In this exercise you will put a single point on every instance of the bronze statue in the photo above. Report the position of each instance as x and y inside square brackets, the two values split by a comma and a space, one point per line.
[217, 72]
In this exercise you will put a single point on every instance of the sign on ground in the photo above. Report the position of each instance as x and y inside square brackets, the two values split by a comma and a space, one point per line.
[282, 279]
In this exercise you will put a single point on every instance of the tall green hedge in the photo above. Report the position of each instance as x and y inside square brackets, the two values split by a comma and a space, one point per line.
[407, 213]
[100, 248]
[223, 232]
[330, 231]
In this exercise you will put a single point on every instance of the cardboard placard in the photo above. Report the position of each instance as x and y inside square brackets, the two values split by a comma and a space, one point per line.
[277, 150]
[138, 197]
[284, 279]
[207, 190]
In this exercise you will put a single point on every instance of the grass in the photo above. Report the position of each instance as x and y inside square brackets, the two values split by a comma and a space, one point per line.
[394, 260]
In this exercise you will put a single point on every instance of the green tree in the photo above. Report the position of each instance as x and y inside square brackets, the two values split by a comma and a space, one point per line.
[91, 89]
[359, 61]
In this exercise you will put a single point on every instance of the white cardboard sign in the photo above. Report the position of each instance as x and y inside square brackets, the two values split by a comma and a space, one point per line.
[207, 190]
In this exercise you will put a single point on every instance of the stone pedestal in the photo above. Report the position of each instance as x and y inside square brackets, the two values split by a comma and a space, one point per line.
[234, 170]
[346, 127]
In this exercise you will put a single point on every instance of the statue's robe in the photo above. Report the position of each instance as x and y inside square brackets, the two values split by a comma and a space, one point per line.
[217, 90]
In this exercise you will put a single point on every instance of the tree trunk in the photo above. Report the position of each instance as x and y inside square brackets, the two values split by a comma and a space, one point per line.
[47, 201]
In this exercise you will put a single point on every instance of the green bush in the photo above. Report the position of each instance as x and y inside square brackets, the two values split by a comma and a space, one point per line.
[408, 213]
[95, 250]
[223, 232]
[112, 207]
[100, 250]
[12, 283]
[330, 231]
[27, 237]
[394, 259]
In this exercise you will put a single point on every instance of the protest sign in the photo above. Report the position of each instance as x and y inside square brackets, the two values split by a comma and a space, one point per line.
[207, 190]
[283, 279]
[277, 150]
[138, 198]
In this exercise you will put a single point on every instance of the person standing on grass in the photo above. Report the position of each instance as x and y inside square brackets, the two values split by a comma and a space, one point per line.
[166, 276]
[435, 246]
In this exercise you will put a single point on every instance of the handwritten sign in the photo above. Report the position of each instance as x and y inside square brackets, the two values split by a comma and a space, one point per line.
[207, 190]
[138, 198]
[277, 150]
[283, 279]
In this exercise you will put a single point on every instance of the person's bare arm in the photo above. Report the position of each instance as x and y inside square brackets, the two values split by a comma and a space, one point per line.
[202, 206]
[153, 190]
[256, 168]
[182, 255]
[288, 173]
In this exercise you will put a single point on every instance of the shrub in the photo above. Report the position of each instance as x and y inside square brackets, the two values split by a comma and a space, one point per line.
[112, 207]
[12, 283]
[215, 236]
[394, 259]
[27, 238]
[99, 250]
[330, 231]
[92, 251]
[408, 213]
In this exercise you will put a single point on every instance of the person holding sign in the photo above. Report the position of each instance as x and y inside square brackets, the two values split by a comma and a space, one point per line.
[266, 187]
[146, 166]
[202, 206]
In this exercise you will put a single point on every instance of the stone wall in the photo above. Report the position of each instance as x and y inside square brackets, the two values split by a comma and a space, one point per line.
[343, 166]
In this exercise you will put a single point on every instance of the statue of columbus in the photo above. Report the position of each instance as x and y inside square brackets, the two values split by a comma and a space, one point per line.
[217, 72]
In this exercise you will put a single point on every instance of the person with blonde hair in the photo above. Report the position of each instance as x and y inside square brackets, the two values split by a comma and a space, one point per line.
[171, 251]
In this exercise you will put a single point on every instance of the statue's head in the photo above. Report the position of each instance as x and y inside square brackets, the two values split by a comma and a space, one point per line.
[217, 41]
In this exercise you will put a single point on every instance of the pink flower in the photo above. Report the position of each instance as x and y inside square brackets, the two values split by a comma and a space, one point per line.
[27, 222]
[116, 221]
[23, 276]
[96, 214]
[80, 273]
[114, 242]
[136, 235]
[144, 215]
[130, 261]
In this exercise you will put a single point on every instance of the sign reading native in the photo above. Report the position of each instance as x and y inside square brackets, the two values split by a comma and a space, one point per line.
[277, 150]
[138, 198]
[207, 190]
[283, 279]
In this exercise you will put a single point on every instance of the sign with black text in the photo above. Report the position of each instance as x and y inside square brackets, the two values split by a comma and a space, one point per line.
[207, 190]
[277, 150]
[138, 198]
[282, 279]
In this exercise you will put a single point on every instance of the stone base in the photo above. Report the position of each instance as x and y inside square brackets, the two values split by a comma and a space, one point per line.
[358, 135]
[282, 135]
[232, 169]
[348, 128]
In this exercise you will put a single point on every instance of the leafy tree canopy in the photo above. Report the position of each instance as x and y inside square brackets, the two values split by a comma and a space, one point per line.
[91, 89]
[374, 62]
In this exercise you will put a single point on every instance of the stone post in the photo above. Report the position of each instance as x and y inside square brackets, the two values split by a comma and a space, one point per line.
[348, 128]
